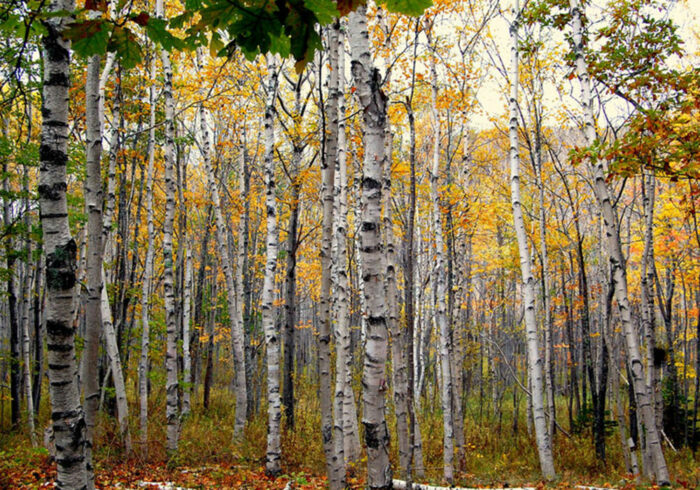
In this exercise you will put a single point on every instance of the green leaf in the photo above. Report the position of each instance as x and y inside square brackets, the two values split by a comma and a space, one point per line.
[326, 10]
[89, 37]
[157, 30]
[280, 44]
[124, 43]
[408, 7]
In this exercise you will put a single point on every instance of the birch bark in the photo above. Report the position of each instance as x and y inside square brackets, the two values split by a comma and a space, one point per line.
[528, 281]
[441, 292]
[171, 411]
[93, 208]
[147, 269]
[373, 104]
[226, 263]
[26, 301]
[351, 439]
[398, 337]
[66, 411]
[273, 452]
[617, 262]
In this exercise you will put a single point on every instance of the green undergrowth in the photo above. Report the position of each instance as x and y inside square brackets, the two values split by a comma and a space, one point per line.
[495, 453]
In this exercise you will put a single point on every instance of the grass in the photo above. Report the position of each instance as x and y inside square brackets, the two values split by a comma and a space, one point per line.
[207, 456]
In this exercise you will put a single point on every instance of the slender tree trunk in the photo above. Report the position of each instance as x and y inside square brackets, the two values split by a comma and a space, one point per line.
[334, 461]
[93, 208]
[273, 451]
[398, 338]
[110, 337]
[653, 375]
[147, 269]
[169, 268]
[39, 334]
[14, 327]
[243, 275]
[210, 330]
[441, 288]
[226, 267]
[528, 281]
[373, 103]
[548, 322]
[186, 317]
[290, 293]
[66, 411]
[352, 450]
[26, 302]
[617, 262]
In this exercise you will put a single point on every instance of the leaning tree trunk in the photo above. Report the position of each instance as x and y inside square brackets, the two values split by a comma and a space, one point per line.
[273, 451]
[617, 262]
[115, 362]
[441, 292]
[171, 383]
[66, 411]
[226, 266]
[373, 103]
[528, 286]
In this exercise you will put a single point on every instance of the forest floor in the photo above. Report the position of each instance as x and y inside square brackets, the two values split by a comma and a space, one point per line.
[497, 455]
[25, 467]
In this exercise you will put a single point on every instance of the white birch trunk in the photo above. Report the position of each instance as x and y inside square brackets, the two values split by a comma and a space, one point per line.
[373, 102]
[147, 270]
[398, 336]
[226, 263]
[26, 341]
[647, 298]
[66, 411]
[352, 449]
[110, 337]
[93, 209]
[647, 418]
[333, 209]
[171, 411]
[242, 264]
[528, 285]
[186, 319]
[334, 460]
[274, 413]
[548, 322]
[441, 290]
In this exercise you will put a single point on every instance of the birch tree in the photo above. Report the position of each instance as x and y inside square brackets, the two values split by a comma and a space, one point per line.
[617, 260]
[226, 266]
[168, 259]
[273, 451]
[147, 268]
[334, 459]
[528, 281]
[351, 440]
[440, 282]
[66, 411]
[372, 102]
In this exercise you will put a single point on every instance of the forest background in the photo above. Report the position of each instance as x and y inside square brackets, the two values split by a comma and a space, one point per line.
[343, 245]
